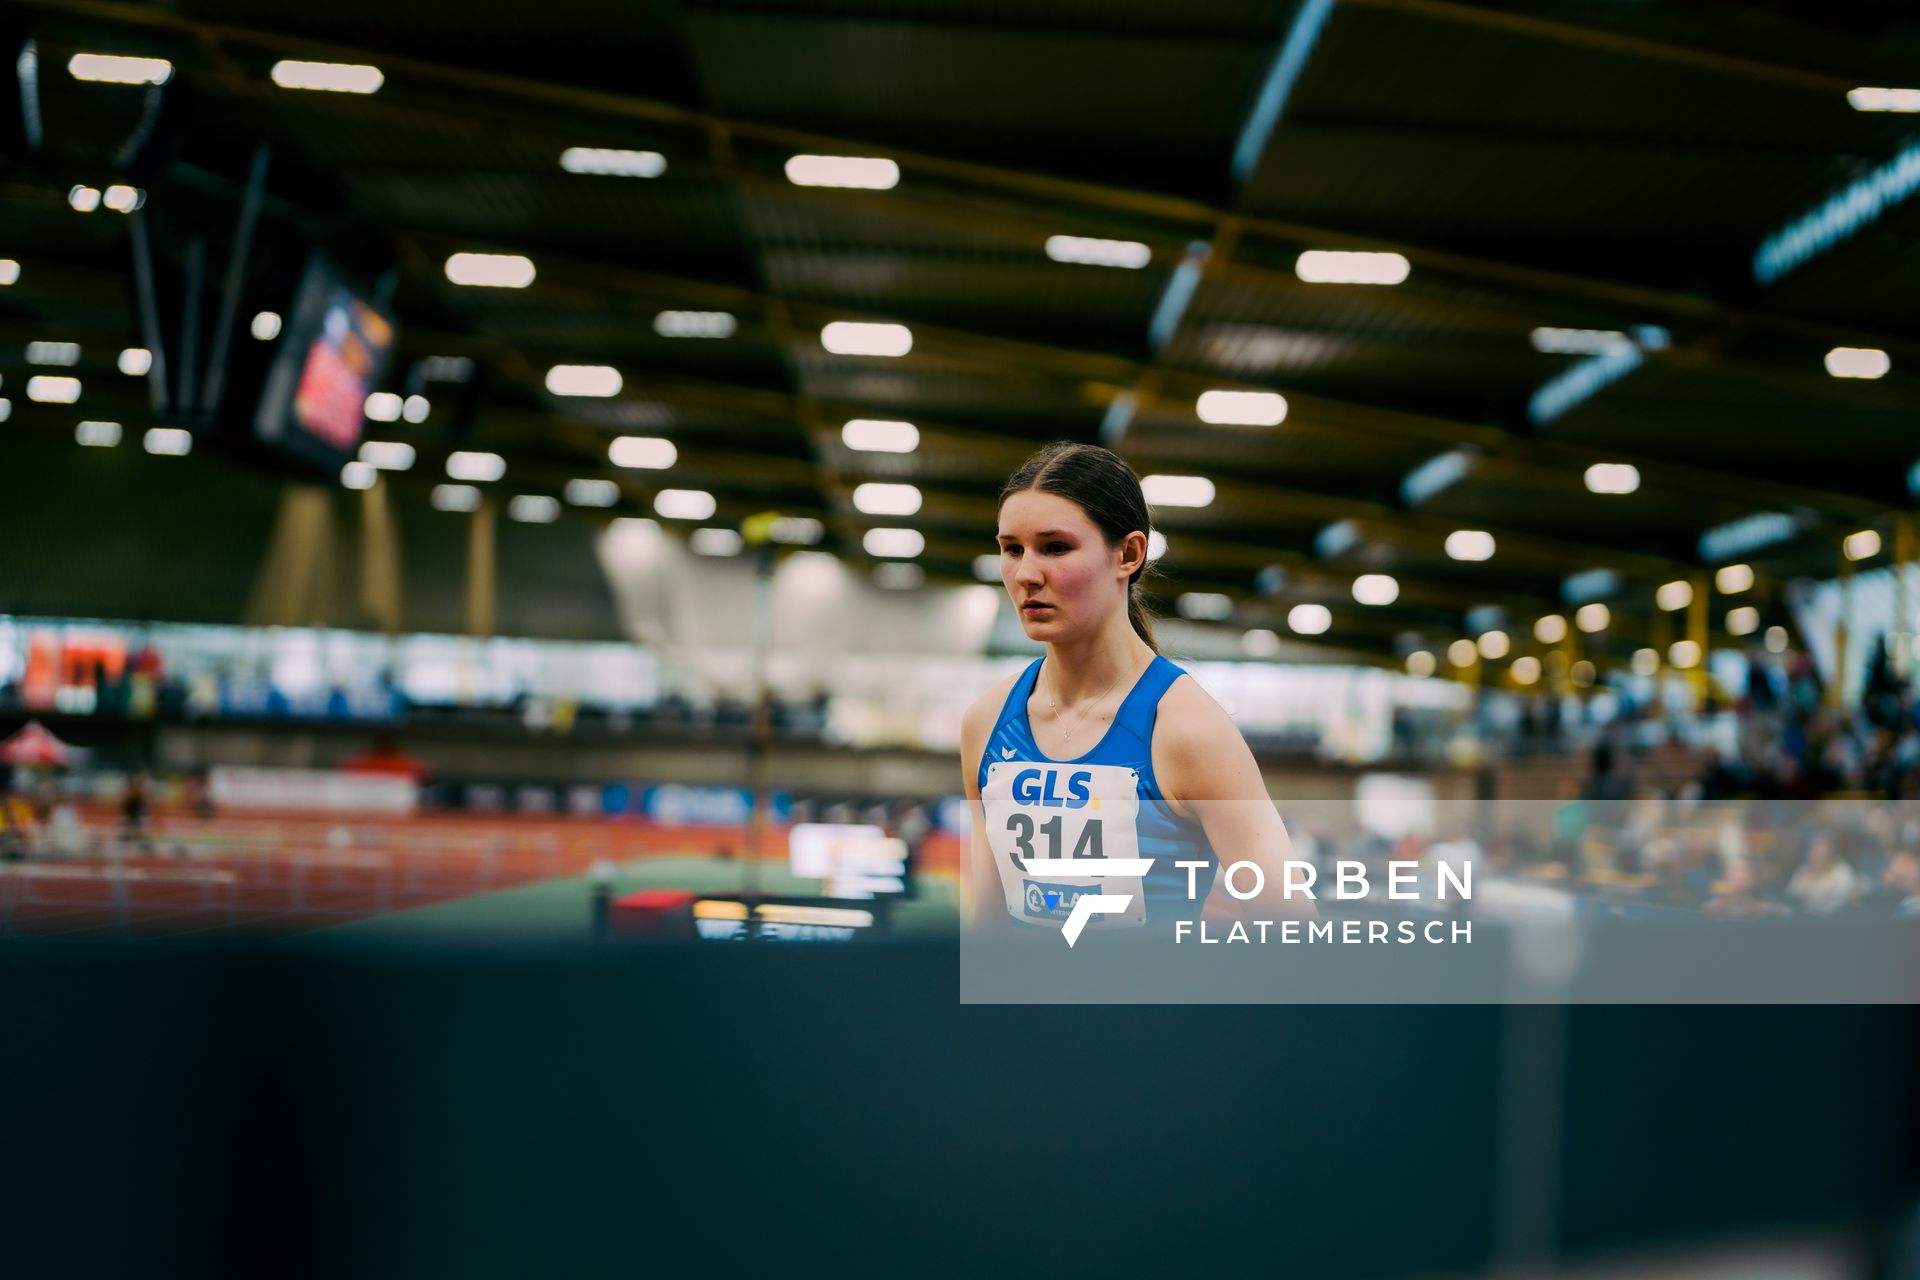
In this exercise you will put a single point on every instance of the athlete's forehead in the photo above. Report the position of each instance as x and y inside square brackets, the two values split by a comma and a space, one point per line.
[1031, 514]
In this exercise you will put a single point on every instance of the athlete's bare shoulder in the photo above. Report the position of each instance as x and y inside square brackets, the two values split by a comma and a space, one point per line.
[1198, 752]
[976, 726]
[1189, 714]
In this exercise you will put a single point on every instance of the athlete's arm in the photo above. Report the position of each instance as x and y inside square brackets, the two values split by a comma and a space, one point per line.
[1204, 767]
[981, 898]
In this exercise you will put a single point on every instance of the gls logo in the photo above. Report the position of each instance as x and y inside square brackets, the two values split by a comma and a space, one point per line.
[1089, 905]
[1036, 787]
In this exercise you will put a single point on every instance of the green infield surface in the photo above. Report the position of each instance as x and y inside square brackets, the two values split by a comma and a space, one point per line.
[561, 908]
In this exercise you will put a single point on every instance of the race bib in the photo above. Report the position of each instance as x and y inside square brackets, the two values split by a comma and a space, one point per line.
[1037, 812]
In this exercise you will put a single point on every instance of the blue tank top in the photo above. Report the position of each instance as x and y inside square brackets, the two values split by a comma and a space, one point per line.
[1163, 835]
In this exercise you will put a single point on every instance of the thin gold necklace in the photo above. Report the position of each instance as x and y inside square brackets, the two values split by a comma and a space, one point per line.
[1066, 734]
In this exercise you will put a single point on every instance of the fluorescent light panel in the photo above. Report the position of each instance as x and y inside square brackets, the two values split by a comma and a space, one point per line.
[387, 455]
[1858, 362]
[135, 362]
[533, 508]
[592, 493]
[119, 68]
[53, 388]
[471, 465]
[98, 435]
[684, 504]
[1178, 491]
[715, 542]
[584, 380]
[1330, 266]
[613, 162]
[168, 442]
[902, 544]
[455, 497]
[383, 406]
[1871, 99]
[1242, 408]
[855, 338]
[1087, 251]
[327, 77]
[53, 353]
[359, 475]
[491, 270]
[648, 453]
[695, 324]
[866, 173]
[886, 499]
[880, 435]
[1309, 619]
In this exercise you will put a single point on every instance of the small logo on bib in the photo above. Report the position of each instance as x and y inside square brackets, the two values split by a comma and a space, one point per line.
[1006, 753]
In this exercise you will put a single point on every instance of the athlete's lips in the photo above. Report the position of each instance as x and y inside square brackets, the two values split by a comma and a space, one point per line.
[1034, 606]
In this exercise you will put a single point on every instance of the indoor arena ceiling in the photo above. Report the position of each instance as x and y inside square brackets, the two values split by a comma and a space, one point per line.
[1651, 185]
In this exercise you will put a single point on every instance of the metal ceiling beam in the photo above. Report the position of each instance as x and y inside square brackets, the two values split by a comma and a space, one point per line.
[1617, 42]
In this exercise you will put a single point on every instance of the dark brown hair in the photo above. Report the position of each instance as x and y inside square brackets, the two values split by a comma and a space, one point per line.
[1100, 483]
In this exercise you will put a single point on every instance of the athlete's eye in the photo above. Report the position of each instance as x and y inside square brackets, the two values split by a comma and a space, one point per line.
[1058, 547]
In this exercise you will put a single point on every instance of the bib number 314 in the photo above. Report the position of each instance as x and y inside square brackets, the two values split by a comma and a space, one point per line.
[1053, 813]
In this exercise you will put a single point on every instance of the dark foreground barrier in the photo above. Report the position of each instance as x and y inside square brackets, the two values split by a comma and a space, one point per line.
[313, 1109]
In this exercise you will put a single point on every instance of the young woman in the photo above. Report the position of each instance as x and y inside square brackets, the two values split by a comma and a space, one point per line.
[1103, 748]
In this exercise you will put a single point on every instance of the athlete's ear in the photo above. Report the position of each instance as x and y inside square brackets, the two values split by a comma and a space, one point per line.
[1133, 553]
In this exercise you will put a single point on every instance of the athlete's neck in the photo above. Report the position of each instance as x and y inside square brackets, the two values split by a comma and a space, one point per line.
[1078, 670]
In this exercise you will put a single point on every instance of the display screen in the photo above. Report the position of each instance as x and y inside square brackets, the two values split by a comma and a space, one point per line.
[332, 351]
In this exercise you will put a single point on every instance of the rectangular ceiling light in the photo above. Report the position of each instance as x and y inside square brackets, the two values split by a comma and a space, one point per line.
[715, 542]
[117, 68]
[880, 435]
[1087, 251]
[695, 324]
[55, 353]
[864, 172]
[583, 380]
[53, 388]
[1177, 491]
[469, 465]
[98, 435]
[1242, 408]
[327, 77]
[648, 453]
[592, 493]
[168, 442]
[1578, 342]
[684, 504]
[613, 162]
[359, 475]
[136, 361]
[1866, 99]
[900, 544]
[387, 455]
[1330, 266]
[852, 338]
[1858, 362]
[9, 271]
[533, 508]
[455, 497]
[797, 531]
[886, 499]
[491, 270]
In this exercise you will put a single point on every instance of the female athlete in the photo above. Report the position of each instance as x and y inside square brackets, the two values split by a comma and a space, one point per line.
[1103, 748]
